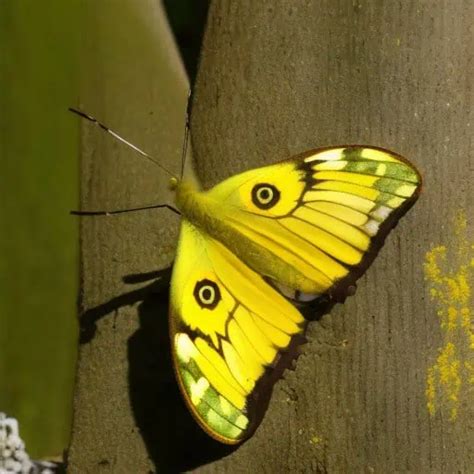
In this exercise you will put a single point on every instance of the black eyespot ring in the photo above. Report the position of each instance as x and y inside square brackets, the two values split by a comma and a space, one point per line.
[207, 294]
[265, 196]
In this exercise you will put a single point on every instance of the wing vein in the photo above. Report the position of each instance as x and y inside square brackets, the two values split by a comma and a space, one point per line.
[336, 217]
[329, 232]
[268, 237]
[314, 245]
[248, 309]
[224, 377]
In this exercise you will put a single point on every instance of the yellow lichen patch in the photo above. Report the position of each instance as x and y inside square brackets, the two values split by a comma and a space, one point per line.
[449, 273]
[316, 439]
[448, 366]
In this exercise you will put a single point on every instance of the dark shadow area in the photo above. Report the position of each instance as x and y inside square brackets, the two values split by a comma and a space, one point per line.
[88, 320]
[187, 19]
[174, 440]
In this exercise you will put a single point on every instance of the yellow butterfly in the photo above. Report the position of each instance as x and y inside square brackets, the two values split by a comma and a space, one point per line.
[256, 247]
[253, 248]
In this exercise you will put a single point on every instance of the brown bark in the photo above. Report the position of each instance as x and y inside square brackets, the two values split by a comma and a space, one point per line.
[277, 78]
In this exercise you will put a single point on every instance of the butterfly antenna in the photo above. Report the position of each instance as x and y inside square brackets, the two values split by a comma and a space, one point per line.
[118, 137]
[186, 133]
[122, 211]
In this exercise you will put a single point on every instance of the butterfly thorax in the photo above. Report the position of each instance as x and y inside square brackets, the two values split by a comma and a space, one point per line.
[196, 207]
[189, 201]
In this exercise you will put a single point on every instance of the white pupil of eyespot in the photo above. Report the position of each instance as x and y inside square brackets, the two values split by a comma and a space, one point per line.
[207, 294]
[265, 195]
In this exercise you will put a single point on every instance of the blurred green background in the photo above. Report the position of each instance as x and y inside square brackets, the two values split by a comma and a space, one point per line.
[39, 77]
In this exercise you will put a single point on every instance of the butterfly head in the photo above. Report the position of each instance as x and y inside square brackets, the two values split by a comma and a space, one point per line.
[174, 182]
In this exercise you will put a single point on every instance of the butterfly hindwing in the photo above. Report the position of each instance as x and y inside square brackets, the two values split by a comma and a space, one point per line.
[228, 328]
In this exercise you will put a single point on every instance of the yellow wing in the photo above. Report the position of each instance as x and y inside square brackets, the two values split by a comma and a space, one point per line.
[312, 224]
[228, 328]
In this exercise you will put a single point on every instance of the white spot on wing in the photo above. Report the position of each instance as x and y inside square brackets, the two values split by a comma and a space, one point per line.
[372, 227]
[184, 347]
[381, 213]
[197, 390]
[305, 297]
[327, 155]
[335, 165]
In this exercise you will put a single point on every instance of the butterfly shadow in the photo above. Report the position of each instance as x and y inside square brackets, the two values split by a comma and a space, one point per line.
[173, 439]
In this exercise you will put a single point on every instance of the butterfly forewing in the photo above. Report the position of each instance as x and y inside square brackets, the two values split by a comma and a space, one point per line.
[332, 211]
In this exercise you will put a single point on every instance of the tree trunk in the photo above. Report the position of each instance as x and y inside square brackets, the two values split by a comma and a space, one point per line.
[132, 80]
[385, 384]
